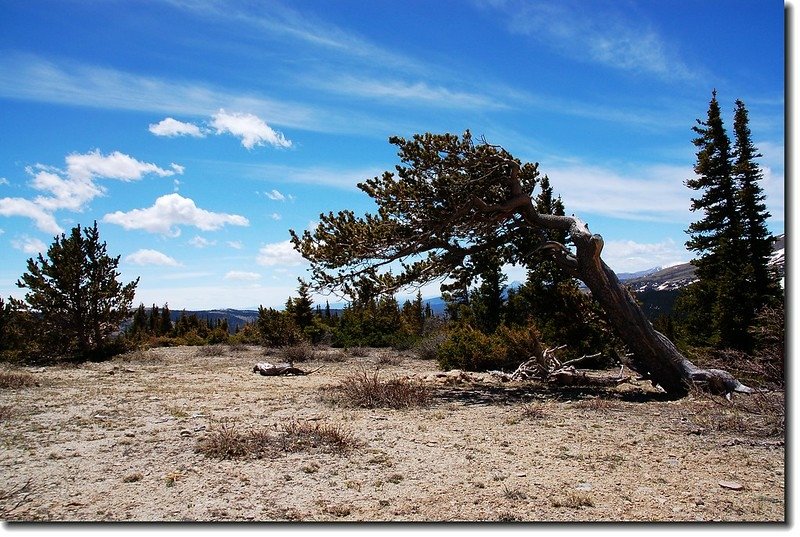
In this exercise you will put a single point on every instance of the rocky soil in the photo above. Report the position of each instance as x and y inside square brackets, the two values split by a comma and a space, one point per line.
[124, 441]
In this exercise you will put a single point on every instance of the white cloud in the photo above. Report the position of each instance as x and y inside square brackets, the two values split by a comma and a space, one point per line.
[241, 276]
[115, 165]
[29, 245]
[631, 256]
[173, 127]
[236, 245]
[4, 181]
[275, 195]
[22, 207]
[201, 242]
[69, 193]
[151, 257]
[279, 254]
[170, 211]
[74, 187]
[275, 216]
[250, 128]
[653, 193]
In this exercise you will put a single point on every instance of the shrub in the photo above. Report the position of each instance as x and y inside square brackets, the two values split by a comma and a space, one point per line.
[16, 379]
[300, 352]
[225, 441]
[368, 390]
[428, 347]
[211, 350]
[472, 350]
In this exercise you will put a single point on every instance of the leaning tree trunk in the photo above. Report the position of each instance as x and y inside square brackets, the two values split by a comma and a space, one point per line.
[654, 355]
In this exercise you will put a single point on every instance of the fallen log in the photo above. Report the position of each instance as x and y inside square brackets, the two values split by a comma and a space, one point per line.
[276, 370]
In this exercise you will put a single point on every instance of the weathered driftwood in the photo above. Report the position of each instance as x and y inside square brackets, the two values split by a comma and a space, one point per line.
[276, 370]
[548, 368]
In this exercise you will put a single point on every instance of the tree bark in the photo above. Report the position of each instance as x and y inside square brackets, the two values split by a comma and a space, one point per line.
[654, 356]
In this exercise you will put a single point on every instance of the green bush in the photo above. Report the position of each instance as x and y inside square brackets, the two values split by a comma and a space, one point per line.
[471, 350]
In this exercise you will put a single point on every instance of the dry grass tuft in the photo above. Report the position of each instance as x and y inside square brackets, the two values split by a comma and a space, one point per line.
[534, 411]
[225, 441]
[574, 499]
[358, 352]
[301, 352]
[6, 412]
[305, 436]
[142, 356]
[597, 403]
[212, 350]
[757, 414]
[386, 358]
[16, 379]
[367, 390]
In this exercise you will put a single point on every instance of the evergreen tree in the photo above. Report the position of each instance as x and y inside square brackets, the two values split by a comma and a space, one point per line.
[717, 236]
[75, 295]
[731, 238]
[165, 322]
[755, 235]
[153, 320]
[139, 324]
[487, 300]
[302, 310]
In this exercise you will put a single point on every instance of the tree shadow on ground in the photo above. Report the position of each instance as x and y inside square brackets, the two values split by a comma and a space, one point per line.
[485, 395]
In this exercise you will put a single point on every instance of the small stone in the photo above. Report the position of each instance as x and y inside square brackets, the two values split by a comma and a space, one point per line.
[186, 432]
[732, 485]
[584, 486]
[520, 474]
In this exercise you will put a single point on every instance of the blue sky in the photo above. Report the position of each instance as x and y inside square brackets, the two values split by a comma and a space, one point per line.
[198, 132]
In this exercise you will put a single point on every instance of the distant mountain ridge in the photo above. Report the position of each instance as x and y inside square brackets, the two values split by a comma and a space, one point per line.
[679, 276]
[657, 287]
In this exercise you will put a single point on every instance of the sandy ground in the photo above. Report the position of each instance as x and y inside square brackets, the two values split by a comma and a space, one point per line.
[118, 441]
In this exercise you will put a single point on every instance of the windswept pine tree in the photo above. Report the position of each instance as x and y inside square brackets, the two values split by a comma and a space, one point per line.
[452, 199]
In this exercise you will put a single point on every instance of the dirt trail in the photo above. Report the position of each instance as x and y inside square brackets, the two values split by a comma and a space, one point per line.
[118, 441]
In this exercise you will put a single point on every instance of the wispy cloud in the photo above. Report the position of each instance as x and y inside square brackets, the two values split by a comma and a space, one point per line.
[275, 195]
[170, 211]
[251, 129]
[242, 276]
[236, 245]
[343, 178]
[279, 254]
[603, 34]
[651, 193]
[147, 256]
[418, 93]
[33, 78]
[29, 245]
[201, 242]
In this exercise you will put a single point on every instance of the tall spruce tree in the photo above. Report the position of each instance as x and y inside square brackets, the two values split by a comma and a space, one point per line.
[75, 296]
[756, 237]
[487, 300]
[731, 238]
